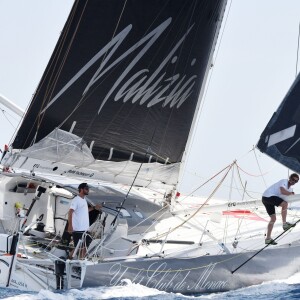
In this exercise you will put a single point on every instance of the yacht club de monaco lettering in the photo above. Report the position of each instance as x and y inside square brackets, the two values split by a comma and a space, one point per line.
[160, 276]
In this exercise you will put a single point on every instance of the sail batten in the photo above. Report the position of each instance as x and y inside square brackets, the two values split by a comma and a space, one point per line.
[66, 154]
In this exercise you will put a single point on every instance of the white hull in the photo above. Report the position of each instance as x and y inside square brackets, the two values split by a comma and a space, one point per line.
[191, 252]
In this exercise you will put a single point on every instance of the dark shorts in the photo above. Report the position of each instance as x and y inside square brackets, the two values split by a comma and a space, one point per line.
[270, 203]
[77, 235]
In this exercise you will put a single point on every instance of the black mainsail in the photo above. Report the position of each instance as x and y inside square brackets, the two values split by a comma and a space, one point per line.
[126, 77]
[280, 139]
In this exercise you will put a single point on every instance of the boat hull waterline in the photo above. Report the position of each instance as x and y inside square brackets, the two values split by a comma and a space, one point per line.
[198, 275]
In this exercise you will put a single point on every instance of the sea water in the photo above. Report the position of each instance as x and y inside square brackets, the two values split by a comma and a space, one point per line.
[279, 289]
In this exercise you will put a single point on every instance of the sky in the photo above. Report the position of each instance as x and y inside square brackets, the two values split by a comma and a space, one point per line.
[254, 66]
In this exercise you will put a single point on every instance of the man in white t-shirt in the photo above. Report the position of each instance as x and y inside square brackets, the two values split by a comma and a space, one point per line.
[78, 218]
[272, 197]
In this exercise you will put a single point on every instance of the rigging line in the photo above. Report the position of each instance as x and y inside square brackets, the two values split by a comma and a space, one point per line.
[222, 33]
[90, 122]
[207, 86]
[86, 99]
[243, 186]
[117, 25]
[80, 102]
[115, 116]
[240, 191]
[189, 54]
[285, 231]
[253, 175]
[147, 230]
[217, 51]
[106, 54]
[226, 186]
[229, 166]
[229, 197]
[187, 269]
[64, 58]
[3, 112]
[143, 221]
[231, 182]
[245, 154]
[10, 115]
[210, 179]
[244, 191]
[297, 51]
[196, 212]
[55, 75]
[240, 221]
[181, 269]
[259, 167]
[183, 27]
[38, 118]
[142, 128]
[100, 82]
[182, 10]
[208, 83]
[104, 57]
[82, 99]
[134, 179]
[162, 138]
[126, 196]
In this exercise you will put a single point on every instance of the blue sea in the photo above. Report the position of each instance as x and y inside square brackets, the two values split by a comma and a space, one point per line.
[281, 289]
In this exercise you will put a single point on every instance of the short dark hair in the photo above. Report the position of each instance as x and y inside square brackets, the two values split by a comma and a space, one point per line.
[82, 186]
[294, 175]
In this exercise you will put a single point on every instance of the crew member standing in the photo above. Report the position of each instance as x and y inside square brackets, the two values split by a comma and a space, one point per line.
[273, 197]
[78, 218]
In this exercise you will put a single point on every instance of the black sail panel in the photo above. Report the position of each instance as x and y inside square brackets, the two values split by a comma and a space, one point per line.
[281, 137]
[129, 74]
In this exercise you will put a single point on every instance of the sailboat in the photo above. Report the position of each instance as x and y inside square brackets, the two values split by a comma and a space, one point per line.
[115, 108]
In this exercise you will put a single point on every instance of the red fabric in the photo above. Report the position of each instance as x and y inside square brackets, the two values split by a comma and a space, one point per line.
[246, 214]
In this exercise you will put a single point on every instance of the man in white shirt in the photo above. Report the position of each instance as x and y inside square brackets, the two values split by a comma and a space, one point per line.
[273, 197]
[78, 218]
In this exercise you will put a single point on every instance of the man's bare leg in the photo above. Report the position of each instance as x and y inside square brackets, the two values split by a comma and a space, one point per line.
[270, 226]
[284, 206]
